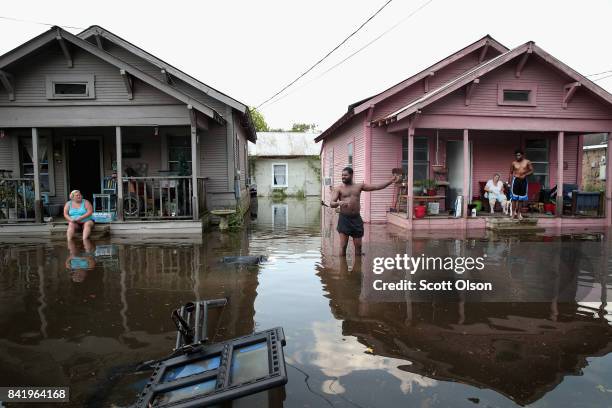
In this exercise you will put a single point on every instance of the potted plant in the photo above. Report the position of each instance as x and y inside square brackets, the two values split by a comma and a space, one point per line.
[417, 187]
[7, 200]
[429, 186]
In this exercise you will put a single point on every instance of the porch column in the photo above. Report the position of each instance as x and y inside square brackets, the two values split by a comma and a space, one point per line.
[410, 176]
[119, 153]
[194, 166]
[609, 181]
[466, 173]
[560, 140]
[36, 163]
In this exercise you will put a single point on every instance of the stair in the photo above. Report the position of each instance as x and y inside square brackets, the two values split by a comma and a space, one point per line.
[58, 231]
[526, 225]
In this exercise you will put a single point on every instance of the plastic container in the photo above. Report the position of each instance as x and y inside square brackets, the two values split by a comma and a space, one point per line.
[433, 208]
[419, 211]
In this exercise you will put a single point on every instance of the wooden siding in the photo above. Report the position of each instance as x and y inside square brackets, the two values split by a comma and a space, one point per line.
[386, 155]
[213, 158]
[353, 131]
[550, 94]
[239, 152]
[417, 90]
[571, 154]
[30, 84]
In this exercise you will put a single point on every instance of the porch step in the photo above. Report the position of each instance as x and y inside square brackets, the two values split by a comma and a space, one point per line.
[510, 225]
[58, 231]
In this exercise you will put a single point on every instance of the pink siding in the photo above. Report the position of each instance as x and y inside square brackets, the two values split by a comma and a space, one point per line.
[549, 96]
[570, 156]
[337, 146]
[386, 155]
[417, 90]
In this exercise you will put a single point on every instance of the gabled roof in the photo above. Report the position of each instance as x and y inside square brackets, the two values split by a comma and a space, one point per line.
[284, 144]
[57, 33]
[487, 67]
[96, 30]
[361, 106]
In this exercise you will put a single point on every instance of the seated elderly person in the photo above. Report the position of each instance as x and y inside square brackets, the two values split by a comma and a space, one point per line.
[78, 213]
[494, 191]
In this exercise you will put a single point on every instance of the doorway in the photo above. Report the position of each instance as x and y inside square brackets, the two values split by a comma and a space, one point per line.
[454, 163]
[83, 157]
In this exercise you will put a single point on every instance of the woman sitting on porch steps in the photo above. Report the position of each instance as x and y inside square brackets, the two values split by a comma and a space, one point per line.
[78, 212]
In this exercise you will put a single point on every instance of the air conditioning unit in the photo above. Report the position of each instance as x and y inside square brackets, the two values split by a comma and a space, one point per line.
[327, 181]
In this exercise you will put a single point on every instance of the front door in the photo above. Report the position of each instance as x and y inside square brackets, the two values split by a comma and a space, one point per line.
[454, 164]
[83, 157]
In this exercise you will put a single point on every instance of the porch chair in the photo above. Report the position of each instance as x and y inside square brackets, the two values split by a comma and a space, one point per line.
[485, 201]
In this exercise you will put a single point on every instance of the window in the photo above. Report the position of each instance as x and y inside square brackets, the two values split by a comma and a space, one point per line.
[246, 165]
[517, 94]
[350, 154]
[536, 150]
[179, 155]
[421, 157]
[279, 175]
[330, 166]
[27, 164]
[70, 86]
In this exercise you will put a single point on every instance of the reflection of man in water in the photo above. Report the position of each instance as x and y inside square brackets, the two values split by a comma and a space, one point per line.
[347, 196]
[80, 263]
[519, 170]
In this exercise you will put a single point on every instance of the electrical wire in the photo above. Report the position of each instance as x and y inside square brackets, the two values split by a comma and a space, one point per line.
[599, 73]
[39, 22]
[328, 54]
[403, 20]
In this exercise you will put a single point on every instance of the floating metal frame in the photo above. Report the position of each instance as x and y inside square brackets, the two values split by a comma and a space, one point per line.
[191, 321]
[223, 390]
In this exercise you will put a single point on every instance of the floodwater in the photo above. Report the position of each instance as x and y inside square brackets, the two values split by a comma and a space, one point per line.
[86, 317]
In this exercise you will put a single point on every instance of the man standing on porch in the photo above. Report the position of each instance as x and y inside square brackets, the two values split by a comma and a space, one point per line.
[519, 170]
[77, 212]
[347, 197]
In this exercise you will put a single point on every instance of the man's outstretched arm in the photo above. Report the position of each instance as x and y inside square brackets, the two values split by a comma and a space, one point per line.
[374, 187]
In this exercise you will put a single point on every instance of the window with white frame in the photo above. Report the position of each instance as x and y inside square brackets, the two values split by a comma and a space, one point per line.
[349, 149]
[72, 86]
[536, 151]
[280, 175]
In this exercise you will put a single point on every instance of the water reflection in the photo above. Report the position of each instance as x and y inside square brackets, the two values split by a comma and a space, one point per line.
[344, 347]
[521, 350]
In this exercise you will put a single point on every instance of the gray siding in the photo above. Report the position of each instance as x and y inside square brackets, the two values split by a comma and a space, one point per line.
[30, 84]
[213, 158]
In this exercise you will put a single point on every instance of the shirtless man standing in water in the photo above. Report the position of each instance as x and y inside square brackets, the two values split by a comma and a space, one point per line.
[519, 170]
[346, 196]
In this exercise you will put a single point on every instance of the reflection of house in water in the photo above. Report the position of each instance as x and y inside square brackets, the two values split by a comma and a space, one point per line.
[290, 212]
[521, 350]
[119, 314]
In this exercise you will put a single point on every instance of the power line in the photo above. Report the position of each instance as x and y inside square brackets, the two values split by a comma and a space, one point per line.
[604, 77]
[328, 54]
[403, 20]
[599, 73]
[40, 23]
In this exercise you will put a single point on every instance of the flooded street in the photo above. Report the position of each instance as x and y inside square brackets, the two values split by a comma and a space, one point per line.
[86, 317]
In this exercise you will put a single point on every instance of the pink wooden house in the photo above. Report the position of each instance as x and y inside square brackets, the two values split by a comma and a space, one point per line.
[466, 115]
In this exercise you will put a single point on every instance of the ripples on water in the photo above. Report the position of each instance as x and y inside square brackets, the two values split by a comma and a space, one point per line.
[88, 322]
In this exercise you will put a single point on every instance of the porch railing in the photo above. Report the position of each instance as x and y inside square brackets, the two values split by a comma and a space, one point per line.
[157, 197]
[16, 200]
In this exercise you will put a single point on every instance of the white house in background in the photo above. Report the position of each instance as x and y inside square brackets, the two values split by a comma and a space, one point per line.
[285, 161]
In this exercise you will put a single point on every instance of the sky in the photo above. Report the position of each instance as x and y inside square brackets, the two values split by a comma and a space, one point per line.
[251, 49]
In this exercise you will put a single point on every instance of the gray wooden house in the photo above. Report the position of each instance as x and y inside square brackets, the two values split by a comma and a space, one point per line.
[101, 115]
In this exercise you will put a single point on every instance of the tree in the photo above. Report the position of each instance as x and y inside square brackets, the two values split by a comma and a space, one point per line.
[259, 121]
[303, 127]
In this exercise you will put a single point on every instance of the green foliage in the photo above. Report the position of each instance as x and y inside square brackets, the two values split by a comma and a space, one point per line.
[300, 194]
[592, 188]
[278, 194]
[259, 121]
[429, 183]
[303, 127]
[314, 162]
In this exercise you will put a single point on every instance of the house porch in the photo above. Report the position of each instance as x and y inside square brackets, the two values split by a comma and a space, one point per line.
[442, 156]
[160, 178]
